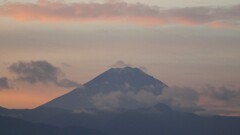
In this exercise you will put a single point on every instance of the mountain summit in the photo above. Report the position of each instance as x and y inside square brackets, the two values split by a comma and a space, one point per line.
[125, 79]
[114, 84]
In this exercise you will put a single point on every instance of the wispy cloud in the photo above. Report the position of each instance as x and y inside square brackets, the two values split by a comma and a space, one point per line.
[207, 100]
[41, 72]
[4, 84]
[179, 98]
[120, 64]
[121, 12]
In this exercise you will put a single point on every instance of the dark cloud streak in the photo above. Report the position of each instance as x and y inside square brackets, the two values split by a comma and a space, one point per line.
[223, 93]
[40, 72]
[4, 84]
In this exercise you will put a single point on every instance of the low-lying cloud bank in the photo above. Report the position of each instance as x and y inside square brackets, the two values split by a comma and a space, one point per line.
[208, 100]
[115, 11]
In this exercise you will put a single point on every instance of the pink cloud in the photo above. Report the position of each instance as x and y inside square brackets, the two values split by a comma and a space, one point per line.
[217, 24]
[120, 12]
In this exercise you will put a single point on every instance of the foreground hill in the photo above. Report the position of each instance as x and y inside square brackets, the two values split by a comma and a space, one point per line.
[156, 120]
[13, 126]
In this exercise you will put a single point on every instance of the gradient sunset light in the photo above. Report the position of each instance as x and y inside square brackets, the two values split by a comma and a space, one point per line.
[186, 44]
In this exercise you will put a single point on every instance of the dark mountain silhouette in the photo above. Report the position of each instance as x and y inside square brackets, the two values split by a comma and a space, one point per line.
[124, 80]
[13, 126]
[159, 119]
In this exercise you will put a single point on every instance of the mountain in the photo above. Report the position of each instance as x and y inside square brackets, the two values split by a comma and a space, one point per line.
[113, 84]
[13, 126]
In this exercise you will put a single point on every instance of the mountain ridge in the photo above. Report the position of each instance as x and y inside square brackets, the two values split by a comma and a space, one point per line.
[14, 126]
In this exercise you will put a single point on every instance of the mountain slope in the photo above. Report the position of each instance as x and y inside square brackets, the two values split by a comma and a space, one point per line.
[113, 82]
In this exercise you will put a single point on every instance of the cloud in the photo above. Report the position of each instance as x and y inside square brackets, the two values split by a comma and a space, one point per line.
[222, 100]
[4, 83]
[109, 101]
[35, 71]
[65, 65]
[40, 72]
[123, 12]
[120, 64]
[179, 98]
[222, 95]
[205, 101]
[66, 83]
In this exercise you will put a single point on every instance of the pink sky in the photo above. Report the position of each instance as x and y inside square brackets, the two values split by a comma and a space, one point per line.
[190, 46]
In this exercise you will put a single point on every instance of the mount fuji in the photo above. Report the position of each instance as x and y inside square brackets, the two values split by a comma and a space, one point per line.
[109, 90]
[112, 104]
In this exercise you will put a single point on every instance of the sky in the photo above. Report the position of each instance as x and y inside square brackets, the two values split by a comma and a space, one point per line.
[183, 43]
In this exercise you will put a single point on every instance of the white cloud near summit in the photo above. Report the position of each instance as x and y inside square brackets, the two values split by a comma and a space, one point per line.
[179, 98]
